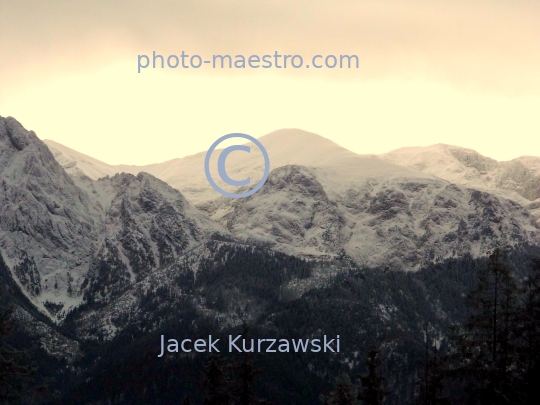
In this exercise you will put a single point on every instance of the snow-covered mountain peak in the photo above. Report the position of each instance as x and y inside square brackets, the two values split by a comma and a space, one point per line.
[532, 163]
[441, 159]
[70, 239]
[336, 167]
[48, 226]
[398, 222]
[518, 179]
[301, 146]
[67, 239]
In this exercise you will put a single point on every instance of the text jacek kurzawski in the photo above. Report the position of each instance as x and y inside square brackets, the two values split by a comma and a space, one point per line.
[238, 344]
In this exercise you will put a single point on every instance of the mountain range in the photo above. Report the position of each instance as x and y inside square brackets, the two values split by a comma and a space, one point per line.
[104, 253]
[323, 200]
[74, 227]
[517, 179]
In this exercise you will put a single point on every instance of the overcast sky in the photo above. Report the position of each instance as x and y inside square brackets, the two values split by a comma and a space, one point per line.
[459, 72]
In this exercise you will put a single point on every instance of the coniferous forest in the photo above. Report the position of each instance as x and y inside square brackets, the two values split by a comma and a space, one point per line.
[460, 331]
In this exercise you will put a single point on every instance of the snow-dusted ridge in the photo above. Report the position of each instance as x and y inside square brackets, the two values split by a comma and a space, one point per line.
[75, 230]
[397, 222]
[517, 179]
[68, 241]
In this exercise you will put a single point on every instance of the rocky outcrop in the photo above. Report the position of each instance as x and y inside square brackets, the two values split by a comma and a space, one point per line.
[68, 242]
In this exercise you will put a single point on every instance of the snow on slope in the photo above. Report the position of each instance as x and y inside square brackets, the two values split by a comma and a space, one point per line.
[48, 226]
[397, 222]
[77, 164]
[458, 165]
[322, 199]
[65, 244]
[530, 162]
[148, 225]
[74, 239]
[337, 166]
[518, 179]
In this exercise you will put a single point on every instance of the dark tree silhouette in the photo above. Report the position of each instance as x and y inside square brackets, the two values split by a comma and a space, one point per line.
[344, 392]
[246, 374]
[487, 342]
[431, 390]
[373, 392]
[216, 383]
[529, 338]
[14, 375]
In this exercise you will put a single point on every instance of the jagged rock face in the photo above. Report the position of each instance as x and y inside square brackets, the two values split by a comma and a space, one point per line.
[518, 179]
[46, 222]
[398, 223]
[473, 159]
[292, 209]
[153, 227]
[72, 240]
[514, 175]
[108, 275]
[66, 242]
[149, 225]
[423, 221]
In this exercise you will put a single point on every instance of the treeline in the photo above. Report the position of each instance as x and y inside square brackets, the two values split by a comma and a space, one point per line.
[460, 331]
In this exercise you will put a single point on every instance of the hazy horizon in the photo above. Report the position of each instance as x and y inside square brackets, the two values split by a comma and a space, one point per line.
[455, 72]
[268, 134]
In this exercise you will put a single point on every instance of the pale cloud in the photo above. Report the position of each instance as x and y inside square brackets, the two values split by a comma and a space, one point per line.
[458, 72]
[483, 45]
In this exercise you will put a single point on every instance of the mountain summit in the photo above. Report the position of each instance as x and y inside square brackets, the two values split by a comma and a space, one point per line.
[48, 226]
[398, 210]
[67, 239]
[517, 179]
[338, 167]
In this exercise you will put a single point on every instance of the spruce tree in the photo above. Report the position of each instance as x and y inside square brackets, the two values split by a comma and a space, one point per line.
[431, 389]
[14, 373]
[372, 392]
[246, 374]
[529, 338]
[216, 383]
[487, 350]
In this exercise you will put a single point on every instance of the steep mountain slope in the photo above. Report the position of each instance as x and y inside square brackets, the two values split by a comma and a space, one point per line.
[392, 222]
[292, 210]
[48, 226]
[148, 225]
[139, 261]
[518, 179]
[335, 204]
[322, 199]
[66, 242]
[76, 163]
